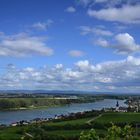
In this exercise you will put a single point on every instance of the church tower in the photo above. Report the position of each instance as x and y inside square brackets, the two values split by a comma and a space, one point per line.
[117, 106]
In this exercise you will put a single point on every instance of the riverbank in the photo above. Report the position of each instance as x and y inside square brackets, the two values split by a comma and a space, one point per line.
[70, 127]
[8, 117]
[31, 108]
[42, 102]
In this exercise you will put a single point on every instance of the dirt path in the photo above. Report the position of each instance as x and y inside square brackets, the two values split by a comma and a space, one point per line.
[89, 121]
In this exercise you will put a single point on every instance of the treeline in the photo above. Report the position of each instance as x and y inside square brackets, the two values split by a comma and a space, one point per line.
[17, 103]
[29, 102]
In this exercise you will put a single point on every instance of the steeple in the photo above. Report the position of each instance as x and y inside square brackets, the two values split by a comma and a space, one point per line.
[117, 104]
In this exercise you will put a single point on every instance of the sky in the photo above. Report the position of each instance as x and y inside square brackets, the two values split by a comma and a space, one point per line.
[83, 45]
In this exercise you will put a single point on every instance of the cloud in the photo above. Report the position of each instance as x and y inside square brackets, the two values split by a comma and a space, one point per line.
[121, 75]
[59, 66]
[97, 30]
[85, 2]
[113, 3]
[70, 9]
[102, 42]
[107, 3]
[83, 64]
[76, 53]
[124, 44]
[42, 25]
[100, 1]
[21, 45]
[1, 34]
[124, 14]
[91, 2]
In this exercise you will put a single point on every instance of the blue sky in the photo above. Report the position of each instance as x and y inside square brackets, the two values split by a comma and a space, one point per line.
[70, 45]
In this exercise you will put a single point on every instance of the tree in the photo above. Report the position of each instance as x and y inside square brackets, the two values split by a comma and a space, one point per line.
[127, 132]
[91, 135]
[113, 133]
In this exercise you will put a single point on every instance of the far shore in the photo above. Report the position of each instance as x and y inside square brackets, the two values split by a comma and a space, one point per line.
[30, 108]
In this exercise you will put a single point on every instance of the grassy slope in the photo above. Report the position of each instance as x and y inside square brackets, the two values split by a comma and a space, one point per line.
[12, 132]
[119, 117]
[72, 122]
[9, 133]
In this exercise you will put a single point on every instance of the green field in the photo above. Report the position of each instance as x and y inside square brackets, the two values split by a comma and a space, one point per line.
[70, 128]
[10, 133]
[119, 117]
[14, 132]
[71, 122]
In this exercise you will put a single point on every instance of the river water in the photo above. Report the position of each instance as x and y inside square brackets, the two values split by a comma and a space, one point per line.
[8, 117]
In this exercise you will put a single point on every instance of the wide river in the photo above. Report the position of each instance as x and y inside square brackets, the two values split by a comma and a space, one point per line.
[8, 117]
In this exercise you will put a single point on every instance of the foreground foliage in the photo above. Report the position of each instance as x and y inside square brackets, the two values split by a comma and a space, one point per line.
[114, 133]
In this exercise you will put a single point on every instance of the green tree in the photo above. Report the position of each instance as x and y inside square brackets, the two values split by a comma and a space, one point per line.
[91, 135]
[113, 133]
[127, 132]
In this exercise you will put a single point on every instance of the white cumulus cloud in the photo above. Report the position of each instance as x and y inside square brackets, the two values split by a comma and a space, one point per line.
[102, 42]
[124, 14]
[21, 45]
[97, 30]
[124, 43]
[121, 75]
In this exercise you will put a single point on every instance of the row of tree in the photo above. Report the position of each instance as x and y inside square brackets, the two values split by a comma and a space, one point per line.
[21, 102]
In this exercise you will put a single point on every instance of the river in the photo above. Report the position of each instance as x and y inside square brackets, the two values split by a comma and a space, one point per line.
[8, 117]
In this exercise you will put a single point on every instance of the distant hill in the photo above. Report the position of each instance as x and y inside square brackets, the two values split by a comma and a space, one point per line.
[62, 92]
